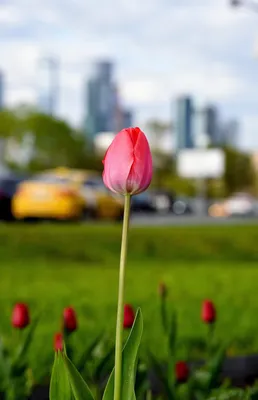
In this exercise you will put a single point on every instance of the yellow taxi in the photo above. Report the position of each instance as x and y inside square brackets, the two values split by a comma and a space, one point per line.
[64, 193]
[47, 197]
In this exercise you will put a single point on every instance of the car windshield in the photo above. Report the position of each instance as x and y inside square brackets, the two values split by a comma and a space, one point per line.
[50, 179]
[94, 184]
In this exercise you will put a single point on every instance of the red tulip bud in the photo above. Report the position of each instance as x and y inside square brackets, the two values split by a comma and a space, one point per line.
[208, 313]
[20, 316]
[128, 163]
[163, 290]
[128, 316]
[182, 372]
[70, 320]
[58, 341]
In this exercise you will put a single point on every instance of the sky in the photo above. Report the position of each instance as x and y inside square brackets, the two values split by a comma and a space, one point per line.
[161, 49]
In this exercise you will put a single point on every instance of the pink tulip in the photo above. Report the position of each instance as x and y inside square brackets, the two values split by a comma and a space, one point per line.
[128, 163]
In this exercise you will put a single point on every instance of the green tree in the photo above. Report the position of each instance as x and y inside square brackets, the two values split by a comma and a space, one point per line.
[55, 142]
[239, 172]
[157, 130]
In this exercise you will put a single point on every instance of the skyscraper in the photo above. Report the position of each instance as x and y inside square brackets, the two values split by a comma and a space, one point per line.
[101, 99]
[211, 124]
[127, 118]
[230, 133]
[104, 110]
[184, 123]
[1, 90]
[48, 85]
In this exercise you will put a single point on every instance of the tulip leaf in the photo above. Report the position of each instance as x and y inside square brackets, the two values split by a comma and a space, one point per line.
[214, 367]
[173, 333]
[27, 340]
[79, 387]
[87, 354]
[162, 375]
[105, 364]
[133, 396]
[4, 365]
[129, 363]
[163, 313]
[172, 336]
[60, 388]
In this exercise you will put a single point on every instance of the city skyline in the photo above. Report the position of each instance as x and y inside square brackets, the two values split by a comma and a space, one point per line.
[102, 106]
[161, 49]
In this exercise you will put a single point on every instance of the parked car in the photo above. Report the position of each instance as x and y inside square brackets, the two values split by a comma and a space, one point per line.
[143, 202]
[98, 201]
[47, 197]
[8, 185]
[162, 200]
[182, 205]
[241, 204]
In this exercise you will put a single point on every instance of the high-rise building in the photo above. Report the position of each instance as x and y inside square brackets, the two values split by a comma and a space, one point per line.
[104, 111]
[211, 125]
[184, 123]
[48, 72]
[230, 133]
[127, 118]
[1, 90]
[101, 100]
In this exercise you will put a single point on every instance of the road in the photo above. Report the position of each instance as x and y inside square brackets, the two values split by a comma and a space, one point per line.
[171, 220]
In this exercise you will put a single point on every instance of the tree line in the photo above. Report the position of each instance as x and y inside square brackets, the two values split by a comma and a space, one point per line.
[53, 142]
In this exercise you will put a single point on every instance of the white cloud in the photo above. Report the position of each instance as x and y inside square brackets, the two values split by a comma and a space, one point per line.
[161, 48]
[9, 15]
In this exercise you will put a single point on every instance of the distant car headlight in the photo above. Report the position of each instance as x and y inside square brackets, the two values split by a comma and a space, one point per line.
[162, 203]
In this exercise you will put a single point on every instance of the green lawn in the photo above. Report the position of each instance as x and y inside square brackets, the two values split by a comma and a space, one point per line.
[52, 266]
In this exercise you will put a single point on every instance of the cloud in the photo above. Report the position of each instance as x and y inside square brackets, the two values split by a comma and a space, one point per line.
[161, 48]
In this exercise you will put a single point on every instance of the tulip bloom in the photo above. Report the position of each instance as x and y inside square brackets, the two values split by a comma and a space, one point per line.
[182, 372]
[128, 316]
[70, 320]
[128, 163]
[20, 316]
[162, 290]
[208, 312]
[58, 341]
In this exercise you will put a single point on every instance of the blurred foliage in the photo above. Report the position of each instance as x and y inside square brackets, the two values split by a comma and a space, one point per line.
[55, 143]
[51, 266]
[239, 172]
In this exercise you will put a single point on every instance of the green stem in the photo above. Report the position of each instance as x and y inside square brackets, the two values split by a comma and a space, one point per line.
[210, 338]
[120, 306]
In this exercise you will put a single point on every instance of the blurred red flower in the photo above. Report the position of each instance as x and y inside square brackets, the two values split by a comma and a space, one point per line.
[58, 341]
[162, 290]
[182, 371]
[20, 316]
[128, 316]
[70, 320]
[208, 312]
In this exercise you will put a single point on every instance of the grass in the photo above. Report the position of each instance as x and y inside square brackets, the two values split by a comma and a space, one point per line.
[52, 266]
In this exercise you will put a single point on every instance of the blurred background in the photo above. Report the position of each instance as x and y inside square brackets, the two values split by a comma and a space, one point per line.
[73, 74]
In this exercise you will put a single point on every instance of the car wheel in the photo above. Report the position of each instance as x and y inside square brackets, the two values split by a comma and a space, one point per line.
[179, 208]
[88, 214]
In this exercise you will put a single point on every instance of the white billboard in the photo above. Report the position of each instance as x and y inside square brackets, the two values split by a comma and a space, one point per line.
[201, 163]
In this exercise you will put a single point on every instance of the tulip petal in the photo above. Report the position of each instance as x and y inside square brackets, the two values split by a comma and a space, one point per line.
[118, 162]
[141, 171]
[128, 163]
